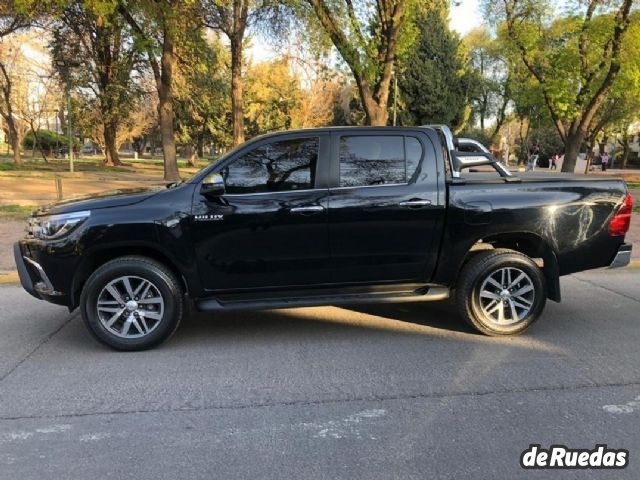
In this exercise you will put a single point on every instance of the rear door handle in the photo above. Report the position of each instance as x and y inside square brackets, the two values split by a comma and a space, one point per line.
[417, 203]
[310, 210]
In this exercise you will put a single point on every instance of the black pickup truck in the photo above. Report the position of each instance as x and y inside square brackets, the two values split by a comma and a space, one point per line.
[331, 216]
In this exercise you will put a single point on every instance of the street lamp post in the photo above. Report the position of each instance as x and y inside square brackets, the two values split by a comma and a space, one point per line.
[395, 97]
[66, 68]
[57, 134]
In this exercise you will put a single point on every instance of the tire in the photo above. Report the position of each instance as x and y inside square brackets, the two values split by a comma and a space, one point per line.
[501, 311]
[151, 320]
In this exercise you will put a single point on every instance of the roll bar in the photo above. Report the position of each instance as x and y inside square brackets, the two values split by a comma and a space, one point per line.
[458, 161]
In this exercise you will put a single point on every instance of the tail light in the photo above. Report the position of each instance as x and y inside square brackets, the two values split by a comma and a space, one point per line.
[620, 222]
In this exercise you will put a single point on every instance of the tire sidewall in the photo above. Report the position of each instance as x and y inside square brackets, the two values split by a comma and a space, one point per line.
[166, 286]
[496, 263]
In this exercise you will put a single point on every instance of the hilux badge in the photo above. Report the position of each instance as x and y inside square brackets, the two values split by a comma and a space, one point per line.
[208, 218]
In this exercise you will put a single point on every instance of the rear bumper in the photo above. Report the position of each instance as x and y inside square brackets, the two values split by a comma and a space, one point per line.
[623, 256]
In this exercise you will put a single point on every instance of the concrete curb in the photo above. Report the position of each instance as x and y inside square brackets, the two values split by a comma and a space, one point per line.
[9, 277]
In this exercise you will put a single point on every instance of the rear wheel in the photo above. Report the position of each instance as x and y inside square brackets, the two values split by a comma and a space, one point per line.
[132, 303]
[501, 292]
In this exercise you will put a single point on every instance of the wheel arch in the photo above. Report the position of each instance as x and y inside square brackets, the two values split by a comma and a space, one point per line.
[94, 260]
[529, 244]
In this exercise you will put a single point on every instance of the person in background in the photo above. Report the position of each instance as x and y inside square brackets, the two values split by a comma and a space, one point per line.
[605, 161]
[553, 165]
[534, 153]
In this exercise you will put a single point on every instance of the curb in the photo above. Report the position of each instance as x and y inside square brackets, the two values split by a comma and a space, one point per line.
[9, 277]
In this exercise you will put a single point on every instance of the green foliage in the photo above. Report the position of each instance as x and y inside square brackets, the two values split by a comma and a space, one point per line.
[202, 94]
[434, 78]
[47, 141]
[271, 96]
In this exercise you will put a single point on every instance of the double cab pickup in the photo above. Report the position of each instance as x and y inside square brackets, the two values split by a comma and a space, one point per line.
[331, 216]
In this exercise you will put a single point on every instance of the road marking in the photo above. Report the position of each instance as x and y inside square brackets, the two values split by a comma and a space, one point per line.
[628, 407]
[25, 435]
[348, 427]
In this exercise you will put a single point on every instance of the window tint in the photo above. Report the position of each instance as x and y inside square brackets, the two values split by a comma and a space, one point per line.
[378, 160]
[275, 167]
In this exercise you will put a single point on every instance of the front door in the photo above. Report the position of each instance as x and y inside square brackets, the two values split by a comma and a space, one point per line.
[269, 230]
[384, 208]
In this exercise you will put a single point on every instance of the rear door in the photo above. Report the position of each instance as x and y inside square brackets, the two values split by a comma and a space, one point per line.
[385, 211]
[269, 230]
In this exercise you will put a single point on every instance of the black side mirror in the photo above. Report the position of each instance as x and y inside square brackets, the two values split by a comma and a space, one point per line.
[213, 185]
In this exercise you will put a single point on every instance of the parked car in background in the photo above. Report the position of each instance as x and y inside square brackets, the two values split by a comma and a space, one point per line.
[89, 149]
[331, 216]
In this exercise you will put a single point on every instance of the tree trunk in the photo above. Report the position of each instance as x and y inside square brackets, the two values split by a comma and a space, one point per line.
[237, 107]
[625, 155]
[572, 149]
[165, 109]
[376, 115]
[111, 151]
[200, 145]
[14, 140]
[193, 156]
[15, 145]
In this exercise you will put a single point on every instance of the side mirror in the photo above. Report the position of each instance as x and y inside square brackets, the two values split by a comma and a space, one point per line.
[213, 185]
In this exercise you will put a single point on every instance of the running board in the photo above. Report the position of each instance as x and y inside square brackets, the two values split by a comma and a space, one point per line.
[424, 294]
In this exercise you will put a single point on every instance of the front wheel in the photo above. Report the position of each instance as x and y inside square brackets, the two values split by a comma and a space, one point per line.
[501, 292]
[131, 303]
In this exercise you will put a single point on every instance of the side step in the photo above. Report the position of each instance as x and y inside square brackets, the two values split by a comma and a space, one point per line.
[423, 294]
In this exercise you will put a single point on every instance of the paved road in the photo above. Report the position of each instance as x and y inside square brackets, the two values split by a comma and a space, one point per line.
[404, 391]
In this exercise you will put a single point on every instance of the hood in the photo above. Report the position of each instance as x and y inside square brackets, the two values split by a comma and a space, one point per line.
[94, 201]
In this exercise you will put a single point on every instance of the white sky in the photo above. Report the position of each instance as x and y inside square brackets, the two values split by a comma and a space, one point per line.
[466, 16]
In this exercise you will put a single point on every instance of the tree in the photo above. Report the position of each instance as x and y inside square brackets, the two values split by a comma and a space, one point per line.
[20, 93]
[368, 40]
[492, 82]
[110, 60]
[575, 60]
[233, 18]
[434, 78]
[159, 28]
[14, 16]
[202, 98]
[272, 96]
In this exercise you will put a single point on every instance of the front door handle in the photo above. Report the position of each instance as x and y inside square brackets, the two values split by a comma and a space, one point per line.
[416, 203]
[310, 210]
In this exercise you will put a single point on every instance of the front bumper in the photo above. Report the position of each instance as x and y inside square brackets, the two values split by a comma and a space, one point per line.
[623, 256]
[34, 278]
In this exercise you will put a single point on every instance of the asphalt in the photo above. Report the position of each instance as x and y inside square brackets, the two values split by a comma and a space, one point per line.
[394, 391]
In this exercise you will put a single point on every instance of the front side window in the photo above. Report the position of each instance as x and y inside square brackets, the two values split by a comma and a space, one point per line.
[275, 167]
[378, 160]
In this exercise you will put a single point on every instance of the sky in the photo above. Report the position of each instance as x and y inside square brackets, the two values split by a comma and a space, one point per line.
[463, 18]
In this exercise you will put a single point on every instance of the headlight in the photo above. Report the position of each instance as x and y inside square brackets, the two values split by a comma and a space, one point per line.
[56, 226]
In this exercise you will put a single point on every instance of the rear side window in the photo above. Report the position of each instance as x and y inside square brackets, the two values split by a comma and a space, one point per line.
[367, 160]
[274, 167]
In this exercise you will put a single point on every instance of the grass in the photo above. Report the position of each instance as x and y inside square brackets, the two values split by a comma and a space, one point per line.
[633, 184]
[16, 212]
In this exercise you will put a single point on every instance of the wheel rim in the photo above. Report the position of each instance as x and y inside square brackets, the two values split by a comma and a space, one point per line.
[130, 307]
[507, 296]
